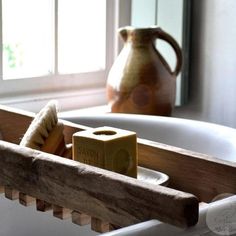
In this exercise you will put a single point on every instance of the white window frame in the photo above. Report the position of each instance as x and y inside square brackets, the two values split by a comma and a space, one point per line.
[73, 91]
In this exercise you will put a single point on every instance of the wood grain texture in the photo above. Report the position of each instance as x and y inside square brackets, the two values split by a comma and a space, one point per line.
[199, 174]
[43, 206]
[80, 218]
[99, 226]
[54, 144]
[26, 200]
[11, 193]
[196, 173]
[61, 212]
[14, 123]
[108, 196]
[205, 174]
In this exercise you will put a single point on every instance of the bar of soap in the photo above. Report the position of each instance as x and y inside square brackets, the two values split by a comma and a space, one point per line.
[108, 148]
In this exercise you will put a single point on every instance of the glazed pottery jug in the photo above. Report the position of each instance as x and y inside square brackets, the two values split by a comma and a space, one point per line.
[140, 80]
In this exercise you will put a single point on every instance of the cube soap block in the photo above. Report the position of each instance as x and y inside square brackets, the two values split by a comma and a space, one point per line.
[108, 148]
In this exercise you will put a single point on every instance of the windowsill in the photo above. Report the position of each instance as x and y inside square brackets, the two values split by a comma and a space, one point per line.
[67, 101]
[103, 109]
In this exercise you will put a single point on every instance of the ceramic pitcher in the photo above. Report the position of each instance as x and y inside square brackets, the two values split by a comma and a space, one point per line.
[140, 80]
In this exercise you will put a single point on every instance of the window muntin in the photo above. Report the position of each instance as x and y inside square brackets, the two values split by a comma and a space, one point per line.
[54, 82]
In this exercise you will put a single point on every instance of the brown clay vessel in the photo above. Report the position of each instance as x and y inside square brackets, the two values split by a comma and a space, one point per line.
[140, 80]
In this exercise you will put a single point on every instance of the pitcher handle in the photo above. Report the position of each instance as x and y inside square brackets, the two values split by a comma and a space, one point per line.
[168, 38]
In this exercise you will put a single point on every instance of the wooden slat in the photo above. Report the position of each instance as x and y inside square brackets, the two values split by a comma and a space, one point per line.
[54, 144]
[26, 200]
[196, 173]
[14, 123]
[80, 218]
[13, 131]
[204, 172]
[43, 206]
[105, 195]
[61, 212]
[204, 176]
[11, 193]
[113, 227]
[99, 226]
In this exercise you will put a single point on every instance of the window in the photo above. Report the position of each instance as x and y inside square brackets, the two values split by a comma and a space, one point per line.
[55, 48]
[63, 49]
[27, 38]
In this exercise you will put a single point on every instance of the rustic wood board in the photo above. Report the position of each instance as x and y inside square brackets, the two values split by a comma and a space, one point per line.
[14, 123]
[196, 173]
[200, 174]
[203, 175]
[113, 198]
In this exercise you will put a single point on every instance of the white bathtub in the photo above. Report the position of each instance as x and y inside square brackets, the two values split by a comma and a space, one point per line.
[203, 137]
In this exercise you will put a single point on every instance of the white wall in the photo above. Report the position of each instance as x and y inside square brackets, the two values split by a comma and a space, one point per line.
[213, 63]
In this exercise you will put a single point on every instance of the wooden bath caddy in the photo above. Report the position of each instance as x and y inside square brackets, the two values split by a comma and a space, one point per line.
[73, 189]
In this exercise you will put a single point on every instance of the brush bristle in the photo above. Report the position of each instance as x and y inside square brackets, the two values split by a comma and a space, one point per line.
[41, 126]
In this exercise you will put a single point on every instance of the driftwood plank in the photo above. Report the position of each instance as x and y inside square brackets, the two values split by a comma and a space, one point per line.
[191, 172]
[13, 131]
[199, 174]
[108, 196]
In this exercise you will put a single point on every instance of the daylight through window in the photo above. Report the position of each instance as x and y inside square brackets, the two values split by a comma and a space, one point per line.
[50, 37]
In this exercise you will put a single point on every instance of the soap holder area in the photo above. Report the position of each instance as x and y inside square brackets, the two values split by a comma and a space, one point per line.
[104, 199]
[152, 176]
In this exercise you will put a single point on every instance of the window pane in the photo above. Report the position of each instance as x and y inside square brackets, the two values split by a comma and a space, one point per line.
[81, 35]
[28, 38]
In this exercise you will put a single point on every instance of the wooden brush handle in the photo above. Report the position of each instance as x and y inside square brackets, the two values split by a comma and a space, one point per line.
[55, 143]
